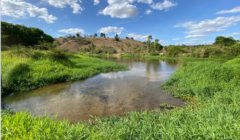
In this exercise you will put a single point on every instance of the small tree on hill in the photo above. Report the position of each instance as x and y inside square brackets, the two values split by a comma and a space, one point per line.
[78, 34]
[103, 35]
[132, 38]
[127, 37]
[95, 35]
[116, 37]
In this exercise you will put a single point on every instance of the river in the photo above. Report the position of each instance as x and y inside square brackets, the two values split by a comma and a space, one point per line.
[104, 95]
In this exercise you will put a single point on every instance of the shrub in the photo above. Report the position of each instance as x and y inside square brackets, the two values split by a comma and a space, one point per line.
[57, 43]
[45, 46]
[57, 53]
[233, 50]
[108, 50]
[97, 51]
[65, 40]
[173, 50]
[88, 42]
[154, 53]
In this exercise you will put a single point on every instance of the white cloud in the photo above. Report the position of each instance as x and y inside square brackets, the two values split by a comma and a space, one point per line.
[63, 3]
[234, 10]
[232, 35]
[111, 29]
[120, 10]
[96, 2]
[205, 27]
[193, 36]
[195, 42]
[142, 1]
[176, 39]
[21, 9]
[138, 37]
[144, 38]
[148, 12]
[164, 6]
[72, 31]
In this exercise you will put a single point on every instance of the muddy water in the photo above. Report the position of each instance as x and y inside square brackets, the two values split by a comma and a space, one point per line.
[104, 95]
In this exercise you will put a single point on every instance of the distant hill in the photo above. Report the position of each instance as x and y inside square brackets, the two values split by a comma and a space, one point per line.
[81, 43]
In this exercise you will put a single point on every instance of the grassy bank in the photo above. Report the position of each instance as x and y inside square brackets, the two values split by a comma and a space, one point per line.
[27, 69]
[213, 115]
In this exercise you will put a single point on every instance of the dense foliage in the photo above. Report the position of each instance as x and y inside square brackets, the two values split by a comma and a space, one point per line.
[222, 48]
[19, 34]
[25, 69]
[214, 116]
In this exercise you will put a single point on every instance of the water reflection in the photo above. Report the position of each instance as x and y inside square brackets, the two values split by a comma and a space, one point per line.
[104, 95]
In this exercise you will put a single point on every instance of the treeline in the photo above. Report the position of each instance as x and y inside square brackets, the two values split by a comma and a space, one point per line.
[223, 47]
[19, 34]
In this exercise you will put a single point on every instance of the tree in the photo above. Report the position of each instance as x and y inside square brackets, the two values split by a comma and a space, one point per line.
[73, 37]
[95, 35]
[132, 38]
[224, 41]
[116, 37]
[19, 34]
[150, 37]
[149, 42]
[127, 37]
[78, 34]
[102, 35]
[157, 46]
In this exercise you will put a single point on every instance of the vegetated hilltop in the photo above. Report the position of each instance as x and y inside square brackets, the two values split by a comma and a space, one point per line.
[81, 44]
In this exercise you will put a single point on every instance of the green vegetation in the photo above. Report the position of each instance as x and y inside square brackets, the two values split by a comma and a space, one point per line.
[116, 38]
[19, 34]
[102, 50]
[25, 69]
[223, 48]
[210, 88]
[103, 35]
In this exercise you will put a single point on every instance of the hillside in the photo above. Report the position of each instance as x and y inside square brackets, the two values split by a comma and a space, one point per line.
[80, 43]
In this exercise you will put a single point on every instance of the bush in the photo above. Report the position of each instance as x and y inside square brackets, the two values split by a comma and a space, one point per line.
[57, 53]
[108, 50]
[65, 40]
[88, 42]
[97, 51]
[86, 50]
[233, 50]
[154, 53]
[57, 43]
[174, 50]
[45, 46]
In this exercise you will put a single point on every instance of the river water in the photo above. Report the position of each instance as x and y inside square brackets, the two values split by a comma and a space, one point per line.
[104, 95]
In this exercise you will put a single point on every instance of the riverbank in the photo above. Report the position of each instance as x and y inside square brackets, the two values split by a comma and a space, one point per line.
[169, 57]
[213, 114]
[27, 69]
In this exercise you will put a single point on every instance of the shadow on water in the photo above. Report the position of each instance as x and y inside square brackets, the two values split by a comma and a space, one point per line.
[104, 95]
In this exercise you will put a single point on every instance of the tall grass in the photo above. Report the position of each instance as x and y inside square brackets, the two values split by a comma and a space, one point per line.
[25, 69]
[213, 115]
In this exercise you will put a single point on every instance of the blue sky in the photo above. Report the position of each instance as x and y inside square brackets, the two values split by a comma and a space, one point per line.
[170, 21]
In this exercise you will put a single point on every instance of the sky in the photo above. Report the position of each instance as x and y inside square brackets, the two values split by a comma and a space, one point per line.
[173, 22]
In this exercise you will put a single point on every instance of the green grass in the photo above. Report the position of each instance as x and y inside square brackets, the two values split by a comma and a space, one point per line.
[25, 69]
[98, 54]
[212, 113]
